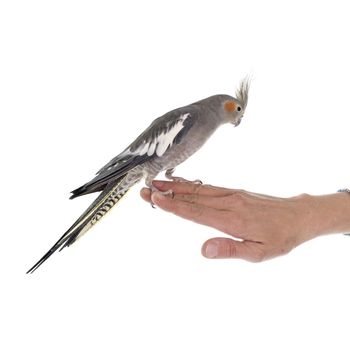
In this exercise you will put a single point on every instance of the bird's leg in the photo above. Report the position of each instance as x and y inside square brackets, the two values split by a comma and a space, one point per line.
[169, 175]
[154, 189]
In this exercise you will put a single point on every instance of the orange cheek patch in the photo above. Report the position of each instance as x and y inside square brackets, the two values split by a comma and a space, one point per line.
[230, 106]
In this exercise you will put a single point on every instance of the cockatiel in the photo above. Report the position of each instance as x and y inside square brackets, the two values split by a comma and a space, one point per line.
[166, 143]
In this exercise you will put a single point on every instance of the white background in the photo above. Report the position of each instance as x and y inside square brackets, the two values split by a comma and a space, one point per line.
[79, 80]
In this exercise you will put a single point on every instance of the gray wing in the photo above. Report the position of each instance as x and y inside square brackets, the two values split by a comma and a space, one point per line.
[155, 141]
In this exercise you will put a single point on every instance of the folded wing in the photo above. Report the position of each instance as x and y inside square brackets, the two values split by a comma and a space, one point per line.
[155, 141]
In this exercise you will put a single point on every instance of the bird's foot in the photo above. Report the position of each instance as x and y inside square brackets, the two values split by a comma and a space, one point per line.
[168, 193]
[181, 179]
[169, 175]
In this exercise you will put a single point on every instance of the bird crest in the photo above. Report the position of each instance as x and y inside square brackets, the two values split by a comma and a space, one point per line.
[242, 92]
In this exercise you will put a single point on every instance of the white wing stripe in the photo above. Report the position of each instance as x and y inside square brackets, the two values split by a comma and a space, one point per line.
[143, 149]
[161, 143]
[162, 146]
[152, 148]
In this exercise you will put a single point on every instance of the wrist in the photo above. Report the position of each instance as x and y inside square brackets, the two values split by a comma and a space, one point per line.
[328, 213]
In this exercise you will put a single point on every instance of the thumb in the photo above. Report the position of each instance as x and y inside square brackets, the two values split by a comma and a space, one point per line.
[226, 248]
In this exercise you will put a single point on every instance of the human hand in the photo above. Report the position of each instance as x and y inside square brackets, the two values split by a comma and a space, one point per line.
[263, 226]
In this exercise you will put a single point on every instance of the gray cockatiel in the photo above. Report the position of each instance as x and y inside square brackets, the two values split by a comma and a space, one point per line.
[166, 143]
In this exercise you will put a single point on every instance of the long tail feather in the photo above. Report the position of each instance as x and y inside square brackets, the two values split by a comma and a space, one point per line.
[110, 196]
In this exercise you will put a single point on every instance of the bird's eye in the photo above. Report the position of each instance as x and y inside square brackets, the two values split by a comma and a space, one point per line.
[239, 108]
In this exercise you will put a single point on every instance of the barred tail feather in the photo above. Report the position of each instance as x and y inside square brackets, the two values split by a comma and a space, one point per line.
[110, 196]
[100, 212]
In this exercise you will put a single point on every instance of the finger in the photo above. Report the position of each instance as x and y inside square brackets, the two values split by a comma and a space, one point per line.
[209, 201]
[190, 187]
[227, 248]
[218, 219]
[221, 203]
[146, 194]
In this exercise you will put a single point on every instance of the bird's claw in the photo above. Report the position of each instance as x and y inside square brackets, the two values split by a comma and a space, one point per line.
[181, 179]
[168, 193]
[198, 182]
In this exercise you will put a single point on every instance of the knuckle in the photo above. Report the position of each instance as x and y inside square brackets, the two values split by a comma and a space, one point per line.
[237, 198]
[231, 250]
[195, 188]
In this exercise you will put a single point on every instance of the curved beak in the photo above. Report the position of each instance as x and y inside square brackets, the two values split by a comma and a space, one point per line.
[237, 122]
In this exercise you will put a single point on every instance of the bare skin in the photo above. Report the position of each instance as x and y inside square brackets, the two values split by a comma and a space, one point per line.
[263, 227]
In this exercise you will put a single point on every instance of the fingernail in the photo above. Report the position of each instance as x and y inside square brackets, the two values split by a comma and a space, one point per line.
[158, 184]
[211, 251]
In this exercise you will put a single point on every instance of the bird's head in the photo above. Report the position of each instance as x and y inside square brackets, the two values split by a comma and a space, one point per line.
[234, 107]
